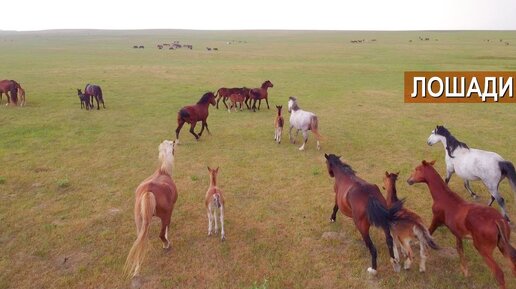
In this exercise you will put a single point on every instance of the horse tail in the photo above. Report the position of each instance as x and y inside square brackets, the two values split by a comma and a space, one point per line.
[14, 92]
[508, 170]
[314, 127]
[139, 248]
[216, 200]
[100, 94]
[183, 116]
[381, 216]
[424, 236]
[504, 243]
[281, 121]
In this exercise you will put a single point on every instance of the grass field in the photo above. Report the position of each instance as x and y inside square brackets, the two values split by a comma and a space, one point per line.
[67, 175]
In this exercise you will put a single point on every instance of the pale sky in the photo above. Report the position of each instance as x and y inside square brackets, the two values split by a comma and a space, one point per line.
[262, 14]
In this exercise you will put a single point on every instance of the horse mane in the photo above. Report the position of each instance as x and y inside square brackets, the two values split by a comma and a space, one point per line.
[451, 142]
[342, 166]
[264, 83]
[295, 106]
[206, 97]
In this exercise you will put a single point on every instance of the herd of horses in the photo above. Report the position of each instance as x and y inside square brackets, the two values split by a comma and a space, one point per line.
[356, 198]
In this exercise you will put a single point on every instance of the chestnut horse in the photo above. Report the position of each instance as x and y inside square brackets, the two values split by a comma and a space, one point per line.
[411, 228]
[155, 196]
[365, 204]
[94, 91]
[224, 93]
[10, 88]
[214, 201]
[257, 94]
[278, 125]
[193, 113]
[487, 227]
[235, 99]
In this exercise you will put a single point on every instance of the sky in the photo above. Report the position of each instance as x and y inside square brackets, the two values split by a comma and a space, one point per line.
[263, 14]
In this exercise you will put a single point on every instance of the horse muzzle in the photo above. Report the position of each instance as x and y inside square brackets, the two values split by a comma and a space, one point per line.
[410, 181]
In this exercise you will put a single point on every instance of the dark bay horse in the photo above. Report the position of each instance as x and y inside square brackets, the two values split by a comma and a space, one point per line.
[94, 91]
[193, 113]
[488, 228]
[85, 100]
[155, 196]
[257, 94]
[224, 93]
[365, 204]
[10, 88]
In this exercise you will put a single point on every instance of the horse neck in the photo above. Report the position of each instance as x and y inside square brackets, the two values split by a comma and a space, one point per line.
[340, 175]
[213, 181]
[439, 189]
[279, 113]
[392, 196]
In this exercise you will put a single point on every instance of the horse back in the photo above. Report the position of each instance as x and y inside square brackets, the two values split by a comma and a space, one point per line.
[164, 190]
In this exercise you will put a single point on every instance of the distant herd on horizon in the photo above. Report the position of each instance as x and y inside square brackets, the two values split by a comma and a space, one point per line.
[356, 198]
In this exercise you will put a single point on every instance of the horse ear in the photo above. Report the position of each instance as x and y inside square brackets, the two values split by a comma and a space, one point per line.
[326, 156]
[386, 173]
[432, 162]
[217, 169]
[398, 173]
[209, 168]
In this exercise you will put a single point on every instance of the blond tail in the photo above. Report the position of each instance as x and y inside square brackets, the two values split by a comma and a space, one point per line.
[424, 236]
[314, 127]
[139, 248]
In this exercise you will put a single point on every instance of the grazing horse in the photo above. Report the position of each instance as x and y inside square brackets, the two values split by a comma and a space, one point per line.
[278, 125]
[214, 201]
[257, 94]
[193, 113]
[474, 164]
[94, 91]
[485, 225]
[155, 196]
[85, 100]
[21, 94]
[302, 120]
[235, 99]
[365, 204]
[10, 88]
[411, 228]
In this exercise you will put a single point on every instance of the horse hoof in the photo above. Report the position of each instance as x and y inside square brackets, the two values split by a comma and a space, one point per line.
[372, 271]
[223, 238]
[332, 220]
[301, 148]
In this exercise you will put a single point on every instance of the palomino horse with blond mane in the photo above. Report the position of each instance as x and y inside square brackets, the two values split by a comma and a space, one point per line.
[485, 225]
[302, 120]
[155, 196]
[193, 113]
[214, 201]
[409, 229]
[365, 204]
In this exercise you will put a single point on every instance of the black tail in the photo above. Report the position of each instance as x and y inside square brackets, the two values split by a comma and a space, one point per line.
[507, 169]
[100, 93]
[381, 216]
[183, 115]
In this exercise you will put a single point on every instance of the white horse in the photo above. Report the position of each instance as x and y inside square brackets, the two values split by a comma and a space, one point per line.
[473, 164]
[302, 120]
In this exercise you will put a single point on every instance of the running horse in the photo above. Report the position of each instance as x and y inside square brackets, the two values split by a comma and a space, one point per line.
[94, 91]
[155, 196]
[485, 225]
[365, 204]
[193, 113]
[11, 89]
[257, 94]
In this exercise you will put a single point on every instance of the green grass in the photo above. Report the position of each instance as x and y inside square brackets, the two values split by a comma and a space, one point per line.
[68, 175]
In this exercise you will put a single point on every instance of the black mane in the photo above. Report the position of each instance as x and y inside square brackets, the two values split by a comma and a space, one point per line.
[335, 162]
[451, 142]
[206, 97]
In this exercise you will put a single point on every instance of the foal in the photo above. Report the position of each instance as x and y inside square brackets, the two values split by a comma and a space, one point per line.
[278, 125]
[213, 201]
[155, 196]
[85, 100]
[235, 99]
[408, 229]
[485, 225]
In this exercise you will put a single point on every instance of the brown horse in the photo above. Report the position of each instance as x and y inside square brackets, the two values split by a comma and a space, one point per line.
[193, 113]
[257, 94]
[10, 88]
[410, 229]
[485, 225]
[235, 99]
[94, 91]
[365, 204]
[278, 125]
[224, 93]
[155, 196]
[214, 201]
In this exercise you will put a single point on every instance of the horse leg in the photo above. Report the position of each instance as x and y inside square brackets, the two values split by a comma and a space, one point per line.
[449, 173]
[460, 251]
[192, 126]
[305, 139]
[178, 129]
[97, 100]
[259, 103]
[487, 253]
[254, 105]
[468, 188]
[224, 101]
[433, 226]
[363, 227]
[410, 254]
[422, 255]
[290, 135]
[493, 189]
[390, 245]
[205, 123]
[210, 227]
[163, 235]
[215, 220]
[222, 232]
[267, 101]
[280, 132]
[333, 216]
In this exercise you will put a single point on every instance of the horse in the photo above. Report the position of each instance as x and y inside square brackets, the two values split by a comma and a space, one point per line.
[487, 227]
[214, 201]
[193, 113]
[85, 100]
[365, 204]
[257, 94]
[224, 93]
[155, 196]
[302, 120]
[94, 91]
[235, 99]
[474, 164]
[278, 125]
[10, 88]
[21, 94]
[411, 228]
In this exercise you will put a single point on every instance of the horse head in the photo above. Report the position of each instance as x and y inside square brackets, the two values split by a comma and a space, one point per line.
[267, 84]
[419, 175]
[389, 179]
[436, 135]
[292, 102]
[331, 159]
[166, 155]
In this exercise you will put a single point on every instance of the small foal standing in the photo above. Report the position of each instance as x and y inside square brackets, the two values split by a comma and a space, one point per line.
[487, 227]
[155, 196]
[278, 125]
[408, 229]
[213, 201]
